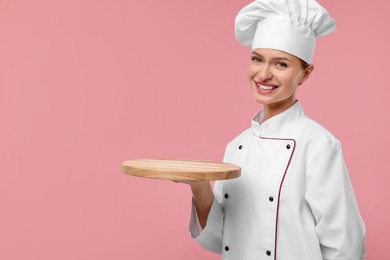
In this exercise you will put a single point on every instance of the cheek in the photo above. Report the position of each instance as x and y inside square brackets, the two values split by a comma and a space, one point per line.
[293, 80]
[297, 80]
[251, 71]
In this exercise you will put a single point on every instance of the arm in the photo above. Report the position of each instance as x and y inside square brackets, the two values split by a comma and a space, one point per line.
[209, 234]
[206, 222]
[329, 193]
[207, 214]
[203, 197]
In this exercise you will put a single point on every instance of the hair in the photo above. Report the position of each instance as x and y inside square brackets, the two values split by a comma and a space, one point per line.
[304, 64]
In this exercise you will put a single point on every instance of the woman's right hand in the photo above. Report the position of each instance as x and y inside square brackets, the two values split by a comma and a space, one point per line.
[196, 185]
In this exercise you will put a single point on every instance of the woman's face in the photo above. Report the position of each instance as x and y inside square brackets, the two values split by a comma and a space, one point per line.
[274, 77]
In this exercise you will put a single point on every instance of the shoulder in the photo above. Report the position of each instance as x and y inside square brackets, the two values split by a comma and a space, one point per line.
[242, 138]
[315, 136]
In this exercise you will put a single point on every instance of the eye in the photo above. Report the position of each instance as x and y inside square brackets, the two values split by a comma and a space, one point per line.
[281, 64]
[255, 59]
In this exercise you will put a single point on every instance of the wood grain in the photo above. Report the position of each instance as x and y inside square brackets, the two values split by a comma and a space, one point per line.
[180, 170]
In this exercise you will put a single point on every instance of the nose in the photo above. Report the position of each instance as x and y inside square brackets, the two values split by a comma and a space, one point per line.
[264, 73]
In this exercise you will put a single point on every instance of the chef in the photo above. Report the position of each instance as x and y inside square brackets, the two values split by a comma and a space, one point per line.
[294, 199]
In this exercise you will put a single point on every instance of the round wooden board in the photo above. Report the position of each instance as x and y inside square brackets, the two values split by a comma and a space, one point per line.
[180, 170]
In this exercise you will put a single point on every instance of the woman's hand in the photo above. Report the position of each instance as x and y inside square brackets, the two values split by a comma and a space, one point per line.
[195, 185]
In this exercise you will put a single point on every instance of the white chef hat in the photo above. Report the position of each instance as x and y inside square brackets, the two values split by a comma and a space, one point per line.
[287, 25]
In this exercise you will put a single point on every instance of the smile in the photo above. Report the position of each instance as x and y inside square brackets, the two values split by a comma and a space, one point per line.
[266, 87]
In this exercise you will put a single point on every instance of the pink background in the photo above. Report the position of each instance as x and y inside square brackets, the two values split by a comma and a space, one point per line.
[86, 84]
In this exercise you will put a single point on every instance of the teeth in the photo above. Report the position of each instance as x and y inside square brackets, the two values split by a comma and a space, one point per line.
[265, 87]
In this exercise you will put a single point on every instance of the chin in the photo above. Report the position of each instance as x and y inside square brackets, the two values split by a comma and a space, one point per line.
[261, 101]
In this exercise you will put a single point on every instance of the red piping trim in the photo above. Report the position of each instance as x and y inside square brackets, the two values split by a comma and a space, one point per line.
[280, 187]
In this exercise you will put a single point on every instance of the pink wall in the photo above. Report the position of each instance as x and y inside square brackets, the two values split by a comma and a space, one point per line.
[86, 84]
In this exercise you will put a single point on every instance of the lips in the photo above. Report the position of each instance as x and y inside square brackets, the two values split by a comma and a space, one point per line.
[265, 87]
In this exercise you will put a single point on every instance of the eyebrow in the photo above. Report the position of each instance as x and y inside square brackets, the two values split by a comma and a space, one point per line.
[274, 58]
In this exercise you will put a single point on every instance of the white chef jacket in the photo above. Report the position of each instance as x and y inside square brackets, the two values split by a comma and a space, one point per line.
[293, 201]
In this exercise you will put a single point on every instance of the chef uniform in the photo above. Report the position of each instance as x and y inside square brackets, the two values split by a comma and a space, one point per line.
[294, 199]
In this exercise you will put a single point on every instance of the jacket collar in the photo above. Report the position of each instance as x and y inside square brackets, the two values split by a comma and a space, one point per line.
[276, 125]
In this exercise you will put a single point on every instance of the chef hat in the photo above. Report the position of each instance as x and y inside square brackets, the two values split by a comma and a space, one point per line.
[286, 25]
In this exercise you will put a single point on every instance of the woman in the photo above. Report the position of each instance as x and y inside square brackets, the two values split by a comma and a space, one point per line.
[294, 199]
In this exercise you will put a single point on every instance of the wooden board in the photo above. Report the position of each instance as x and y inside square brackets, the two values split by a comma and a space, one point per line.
[180, 170]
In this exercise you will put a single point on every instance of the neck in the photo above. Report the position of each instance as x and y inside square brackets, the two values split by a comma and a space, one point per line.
[271, 110]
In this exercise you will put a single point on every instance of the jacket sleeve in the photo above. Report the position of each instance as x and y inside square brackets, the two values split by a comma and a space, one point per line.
[210, 237]
[329, 192]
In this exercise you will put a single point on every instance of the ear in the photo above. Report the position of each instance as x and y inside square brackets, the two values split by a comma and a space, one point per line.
[306, 73]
